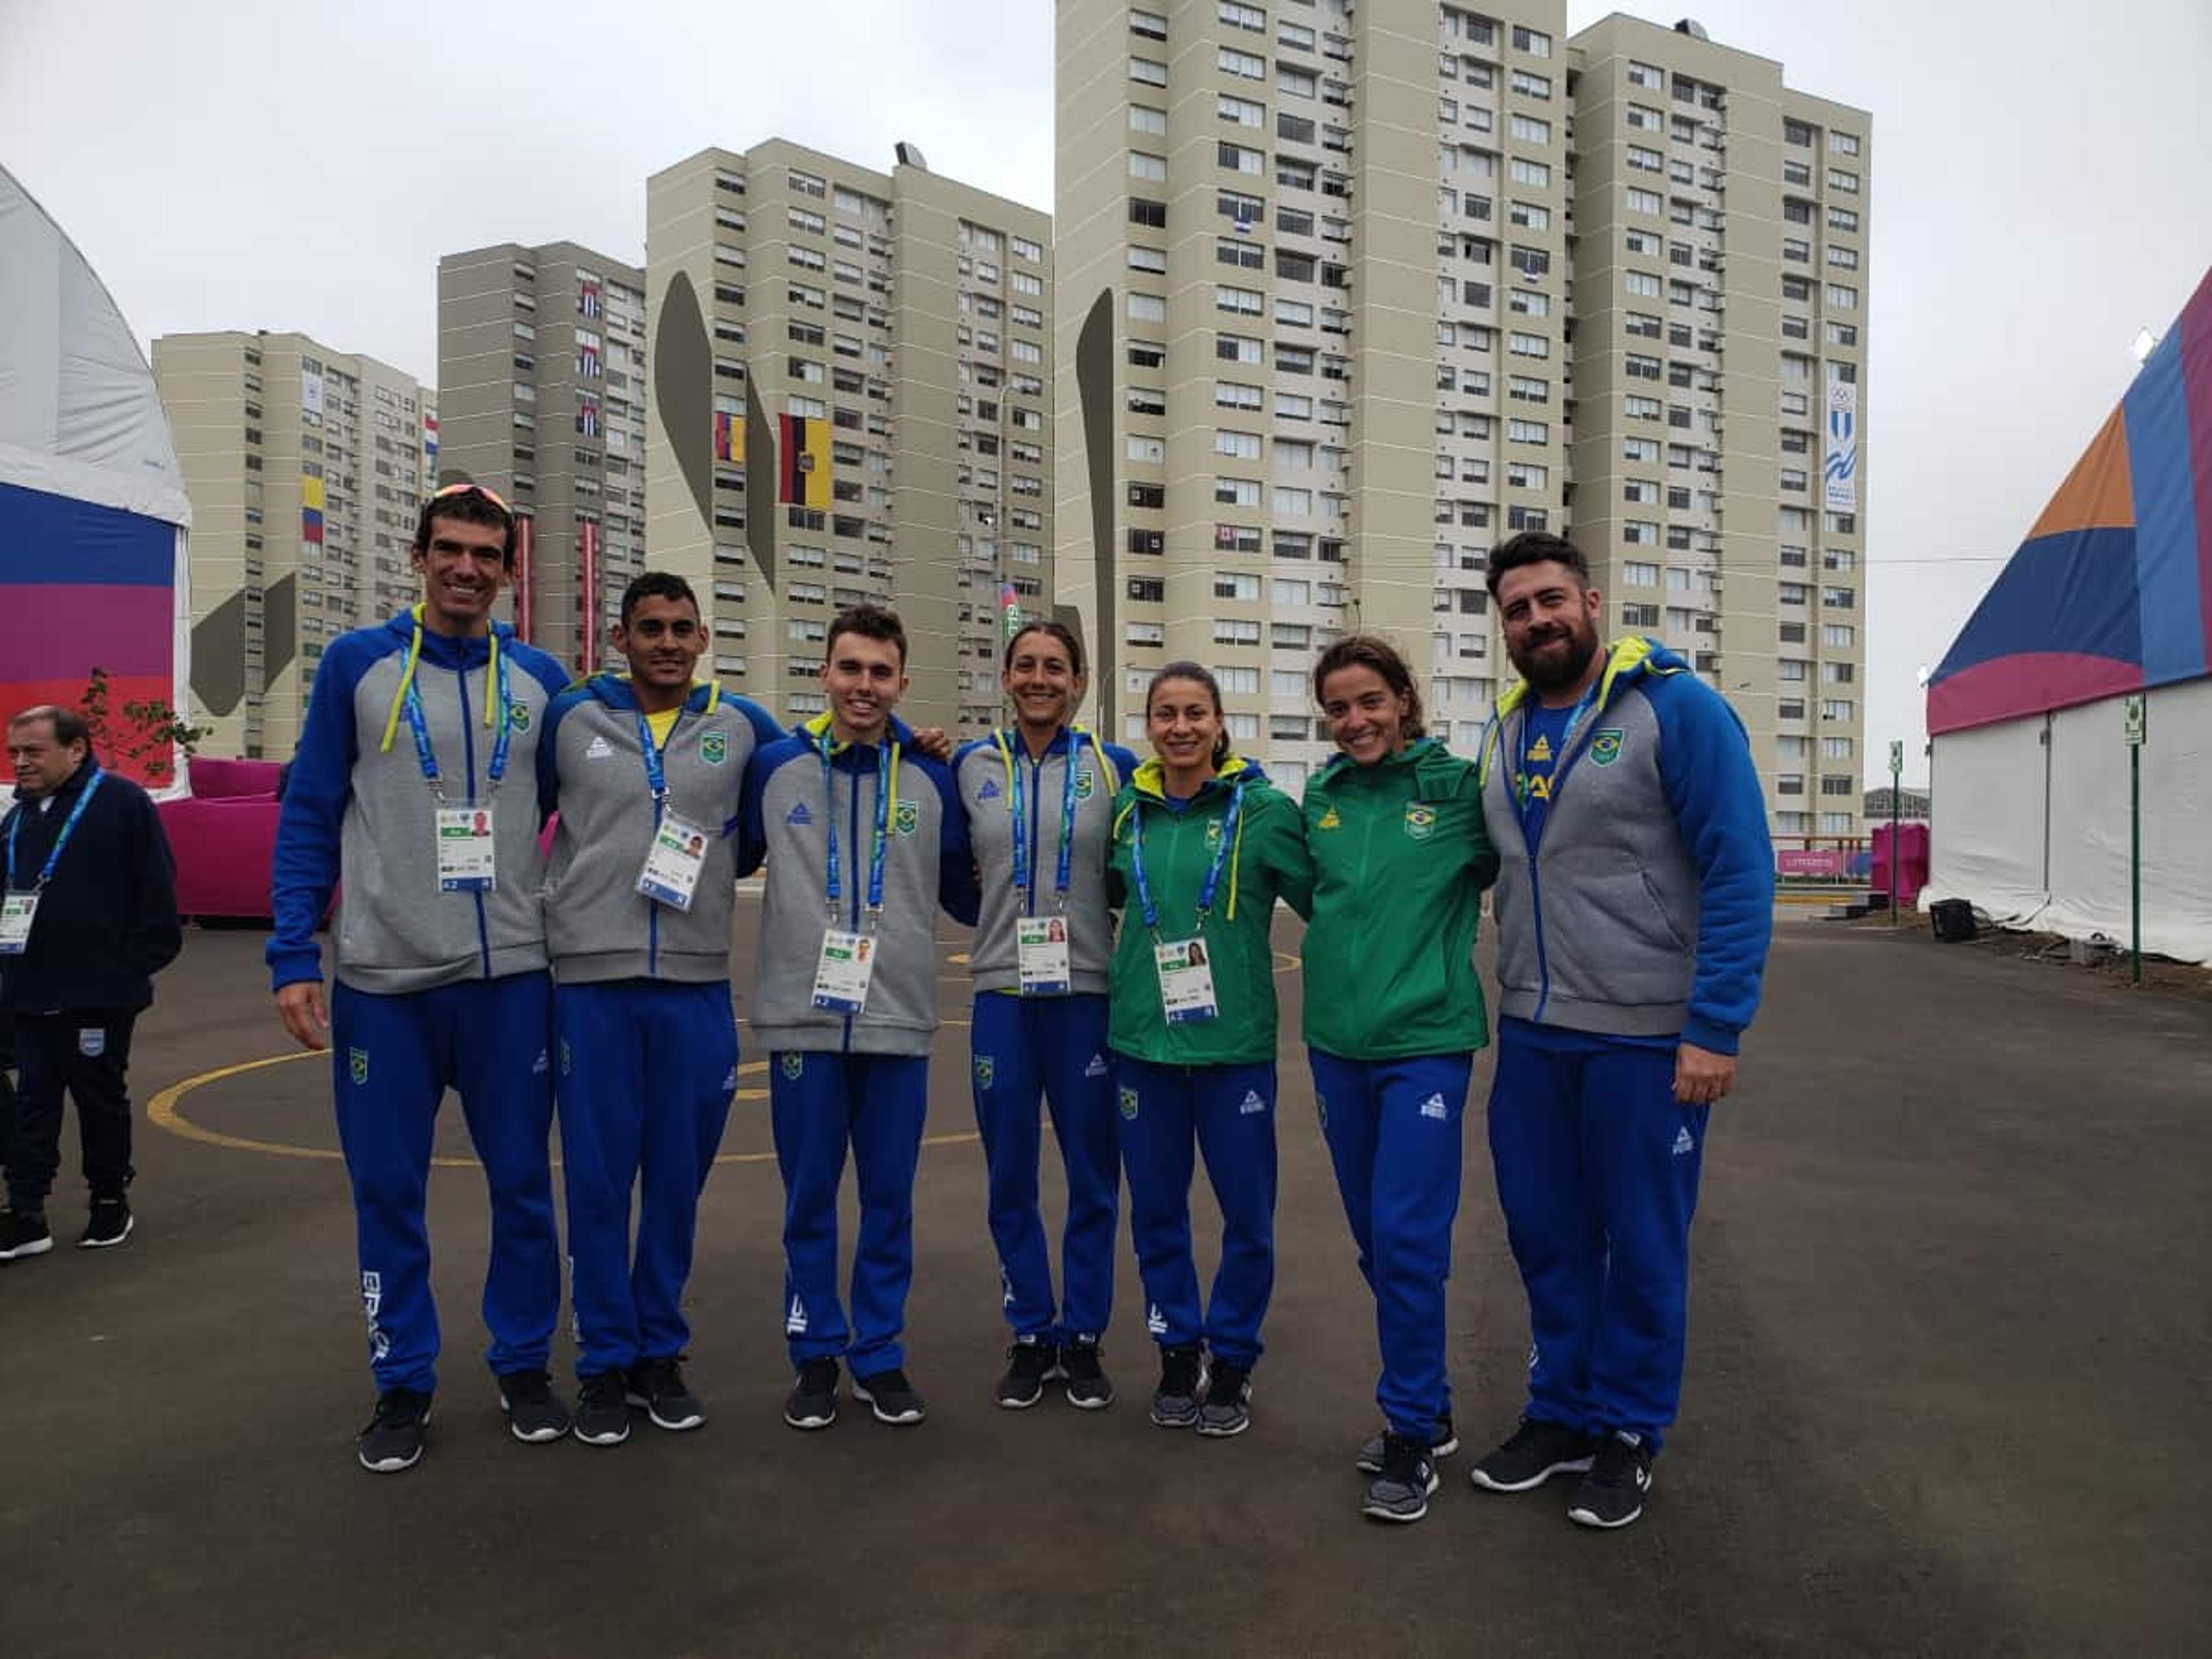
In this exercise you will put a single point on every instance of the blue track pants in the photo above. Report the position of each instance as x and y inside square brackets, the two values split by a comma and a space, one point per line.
[877, 1104]
[647, 1071]
[393, 1058]
[1597, 1173]
[1394, 1133]
[1054, 1047]
[1228, 1112]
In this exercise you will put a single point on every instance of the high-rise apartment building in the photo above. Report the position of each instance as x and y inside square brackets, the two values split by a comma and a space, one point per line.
[306, 468]
[541, 395]
[1720, 276]
[1352, 293]
[850, 375]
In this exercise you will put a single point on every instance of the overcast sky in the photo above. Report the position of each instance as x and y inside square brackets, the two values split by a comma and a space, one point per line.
[2042, 188]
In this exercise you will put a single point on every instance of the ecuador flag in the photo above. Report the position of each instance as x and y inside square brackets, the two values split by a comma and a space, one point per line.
[803, 469]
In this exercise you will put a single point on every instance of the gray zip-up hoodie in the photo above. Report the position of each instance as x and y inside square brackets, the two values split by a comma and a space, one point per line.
[789, 808]
[1646, 907]
[357, 805]
[985, 773]
[591, 766]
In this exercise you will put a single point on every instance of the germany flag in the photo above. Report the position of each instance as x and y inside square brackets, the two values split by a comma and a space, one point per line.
[803, 468]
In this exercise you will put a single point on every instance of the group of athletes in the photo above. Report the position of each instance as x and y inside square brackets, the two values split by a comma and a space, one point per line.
[1124, 981]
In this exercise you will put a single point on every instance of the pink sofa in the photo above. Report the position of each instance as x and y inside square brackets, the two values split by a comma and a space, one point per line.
[223, 835]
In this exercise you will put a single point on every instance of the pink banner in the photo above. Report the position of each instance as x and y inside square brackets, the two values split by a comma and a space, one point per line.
[1808, 861]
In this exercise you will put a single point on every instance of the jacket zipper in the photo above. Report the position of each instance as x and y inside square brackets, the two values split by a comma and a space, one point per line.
[469, 761]
[859, 864]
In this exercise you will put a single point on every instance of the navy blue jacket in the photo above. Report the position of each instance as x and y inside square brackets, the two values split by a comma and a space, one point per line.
[108, 921]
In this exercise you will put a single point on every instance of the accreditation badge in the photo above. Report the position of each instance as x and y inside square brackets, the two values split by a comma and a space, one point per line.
[1186, 980]
[1041, 951]
[842, 972]
[464, 849]
[16, 911]
[674, 863]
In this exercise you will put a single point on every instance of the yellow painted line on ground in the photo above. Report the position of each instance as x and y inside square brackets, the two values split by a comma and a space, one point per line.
[162, 1111]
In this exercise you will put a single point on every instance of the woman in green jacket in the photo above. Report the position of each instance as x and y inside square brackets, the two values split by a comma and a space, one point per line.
[1202, 847]
[1393, 1014]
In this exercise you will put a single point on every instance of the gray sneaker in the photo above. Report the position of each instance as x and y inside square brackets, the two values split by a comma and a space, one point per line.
[1442, 1445]
[1228, 1408]
[1402, 1491]
[1175, 1403]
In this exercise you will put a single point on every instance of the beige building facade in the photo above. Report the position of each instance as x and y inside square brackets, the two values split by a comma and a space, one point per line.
[850, 375]
[1348, 298]
[306, 468]
[542, 397]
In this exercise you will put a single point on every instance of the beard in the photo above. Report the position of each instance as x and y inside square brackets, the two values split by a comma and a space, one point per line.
[1547, 667]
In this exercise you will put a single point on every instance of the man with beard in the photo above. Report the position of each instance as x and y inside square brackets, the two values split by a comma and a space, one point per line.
[1634, 908]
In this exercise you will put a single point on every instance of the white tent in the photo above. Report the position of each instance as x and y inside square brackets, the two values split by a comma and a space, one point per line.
[2110, 596]
[93, 520]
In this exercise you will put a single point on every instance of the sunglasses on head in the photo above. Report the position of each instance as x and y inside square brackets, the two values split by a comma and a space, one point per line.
[473, 490]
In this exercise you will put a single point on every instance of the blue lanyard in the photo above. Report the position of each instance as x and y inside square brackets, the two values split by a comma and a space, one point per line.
[69, 828]
[418, 725]
[1064, 868]
[1521, 779]
[886, 763]
[656, 779]
[1213, 882]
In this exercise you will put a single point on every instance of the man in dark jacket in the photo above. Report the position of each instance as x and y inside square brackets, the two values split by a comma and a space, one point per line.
[90, 916]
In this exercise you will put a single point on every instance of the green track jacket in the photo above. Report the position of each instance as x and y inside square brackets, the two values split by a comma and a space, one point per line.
[1267, 861]
[1399, 860]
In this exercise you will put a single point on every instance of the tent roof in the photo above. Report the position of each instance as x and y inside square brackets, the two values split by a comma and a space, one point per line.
[79, 415]
[2112, 591]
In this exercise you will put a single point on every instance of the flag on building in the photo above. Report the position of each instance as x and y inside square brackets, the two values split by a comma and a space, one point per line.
[729, 436]
[1009, 604]
[587, 583]
[311, 510]
[587, 417]
[526, 546]
[588, 303]
[803, 468]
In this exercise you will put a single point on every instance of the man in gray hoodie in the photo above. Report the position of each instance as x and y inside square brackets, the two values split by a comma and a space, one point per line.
[865, 840]
[645, 769]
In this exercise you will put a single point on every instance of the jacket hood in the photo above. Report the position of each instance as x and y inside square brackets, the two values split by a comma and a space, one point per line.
[446, 649]
[1627, 659]
[615, 689]
[1428, 760]
[816, 727]
[1150, 777]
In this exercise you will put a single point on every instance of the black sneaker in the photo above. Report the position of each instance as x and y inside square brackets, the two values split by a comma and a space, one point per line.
[601, 1409]
[813, 1400]
[1029, 1366]
[891, 1397]
[657, 1386]
[1088, 1387]
[1174, 1402]
[1442, 1445]
[110, 1223]
[1612, 1493]
[24, 1233]
[1228, 1408]
[532, 1413]
[1532, 1455]
[394, 1439]
[1402, 1489]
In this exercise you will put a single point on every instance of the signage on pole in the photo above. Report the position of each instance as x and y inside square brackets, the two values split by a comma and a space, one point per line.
[2137, 710]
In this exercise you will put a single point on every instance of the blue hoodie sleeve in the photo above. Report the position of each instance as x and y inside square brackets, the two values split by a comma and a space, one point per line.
[959, 890]
[752, 832]
[1713, 790]
[304, 868]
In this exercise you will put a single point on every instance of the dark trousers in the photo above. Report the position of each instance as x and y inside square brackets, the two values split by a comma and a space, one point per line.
[87, 1053]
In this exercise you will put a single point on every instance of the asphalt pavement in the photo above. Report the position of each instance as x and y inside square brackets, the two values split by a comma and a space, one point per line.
[1951, 1341]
